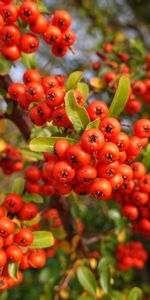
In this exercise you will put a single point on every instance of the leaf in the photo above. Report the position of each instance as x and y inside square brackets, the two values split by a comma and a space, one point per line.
[105, 262]
[121, 97]
[87, 280]
[13, 269]
[29, 60]
[73, 80]
[33, 198]
[135, 294]
[93, 124]
[84, 89]
[76, 113]
[85, 297]
[30, 155]
[42, 239]
[105, 279]
[42, 7]
[146, 159]
[46, 144]
[18, 185]
[33, 221]
[106, 297]
[5, 66]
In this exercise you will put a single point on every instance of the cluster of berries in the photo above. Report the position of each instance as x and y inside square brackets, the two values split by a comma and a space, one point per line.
[11, 160]
[16, 38]
[43, 97]
[131, 255]
[134, 196]
[16, 239]
[140, 89]
[96, 165]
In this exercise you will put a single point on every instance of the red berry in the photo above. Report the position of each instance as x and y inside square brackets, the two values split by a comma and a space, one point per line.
[97, 110]
[142, 128]
[52, 35]
[14, 253]
[130, 211]
[13, 203]
[7, 227]
[62, 20]
[101, 189]
[24, 237]
[29, 43]
[29, 12]
[39, 25]
[92, 140]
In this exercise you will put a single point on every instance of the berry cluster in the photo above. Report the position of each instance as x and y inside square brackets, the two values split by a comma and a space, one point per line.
[16, 37]
[11, 160]
[16, 239]
[43, 97]
[131, 255]
[96, 165]
[122, 64]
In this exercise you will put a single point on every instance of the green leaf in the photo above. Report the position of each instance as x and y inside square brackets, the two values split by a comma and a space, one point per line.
[137, 45]
[42, 7]
[29, 60]
[146, 159]
[33, 198]
[85, 297]
[76, 113]
[105, 262]
[73, 80]
[5, 66]
[121, 97]
[87, 280]
[107, 297]
[84, 89]
[135, 294]
[33, 221]
[93, 124]
[13, 269]
[18, 185]
[105, 279]
[30, 155]
[42, 239]
[46, 144]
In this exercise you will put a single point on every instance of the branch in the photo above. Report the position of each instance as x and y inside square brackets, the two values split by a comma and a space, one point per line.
[17, 116]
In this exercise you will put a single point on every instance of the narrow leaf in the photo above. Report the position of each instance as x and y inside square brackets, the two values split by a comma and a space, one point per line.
[30, 155]
[76, 113]
[135, 294]
[87, 280]
[105, 279]
[73, 80]
[13, 269]
[85, 297]
[5, 66]
[33, 198]
[29, 60]
[42, 239]
[121, 97]
[93, 124]
[18, 185]
[84, 89]
[46, 144]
